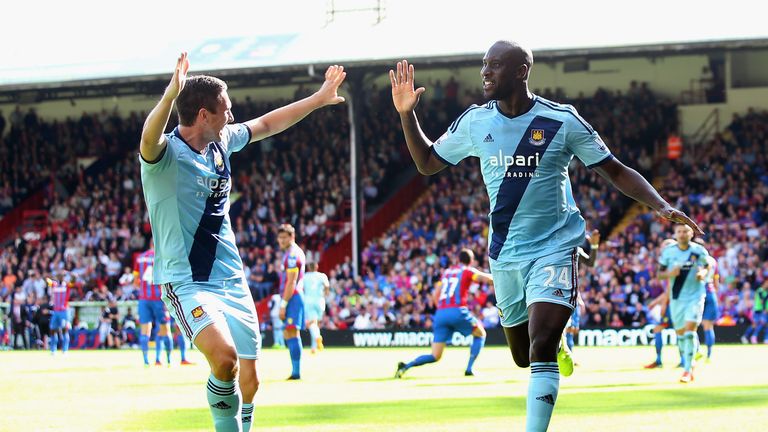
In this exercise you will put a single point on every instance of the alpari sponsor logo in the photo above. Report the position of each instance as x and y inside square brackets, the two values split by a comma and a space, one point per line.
[518, 166]
[218, 186]
[404, 339]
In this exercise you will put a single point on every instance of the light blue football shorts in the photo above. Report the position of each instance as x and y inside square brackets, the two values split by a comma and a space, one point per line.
[552, 278]
[686, 310]
[228, 303]
[314, 308]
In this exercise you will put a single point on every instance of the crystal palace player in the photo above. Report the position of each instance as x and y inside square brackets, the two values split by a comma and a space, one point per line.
[187, 180]
[525, 144]
[292, 290]
[452, 313]
[59, 293]
[152, 311]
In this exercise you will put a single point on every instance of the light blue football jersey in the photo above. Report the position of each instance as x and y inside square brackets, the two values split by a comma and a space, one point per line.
[187, 195]
[314, 285]
[524, 161]
[685, 286]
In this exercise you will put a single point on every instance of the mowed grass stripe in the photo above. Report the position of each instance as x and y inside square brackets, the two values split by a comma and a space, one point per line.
[432, 411]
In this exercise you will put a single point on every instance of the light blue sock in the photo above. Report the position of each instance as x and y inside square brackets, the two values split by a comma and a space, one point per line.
[183, 348]
[314, 334]
[65, 341]
[659, 346]
[144, 344]
[474, 350]
[421, 360]
[54, 342]
[709, 339]
[225, 404]
[569, 340]
[680, 350]
[294, 349]
[689, 349]
[542, 395]
[168, 345]
[247, 416]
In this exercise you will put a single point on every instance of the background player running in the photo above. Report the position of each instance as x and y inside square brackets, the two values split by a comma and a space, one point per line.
[452, 313]
[685, 265]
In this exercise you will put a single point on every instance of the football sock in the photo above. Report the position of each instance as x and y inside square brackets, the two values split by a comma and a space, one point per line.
[314, 334]
[54, 342]
[474, 350]
[225, 404]
[421, 360]
[158, 347]
[168, 345]
[659, 346]
[709, 339]
[542, 395]
[65, 341]
[182, 348]
[294, 349]
[247, 416]
[144, 343]
[569, 340]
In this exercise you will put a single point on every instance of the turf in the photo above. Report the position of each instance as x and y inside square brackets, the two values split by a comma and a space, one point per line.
[346, 389]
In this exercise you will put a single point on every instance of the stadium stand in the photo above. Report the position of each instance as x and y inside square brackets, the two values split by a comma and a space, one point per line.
[93, 229]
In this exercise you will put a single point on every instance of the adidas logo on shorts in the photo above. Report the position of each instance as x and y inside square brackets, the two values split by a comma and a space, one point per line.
[558, 292]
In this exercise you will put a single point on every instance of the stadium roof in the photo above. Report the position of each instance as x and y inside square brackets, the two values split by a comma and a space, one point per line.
[98, 48]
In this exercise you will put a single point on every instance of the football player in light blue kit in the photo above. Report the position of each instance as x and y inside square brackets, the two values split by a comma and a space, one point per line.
[686, 266]
[525, 144]
[316, 287]
[187, 181]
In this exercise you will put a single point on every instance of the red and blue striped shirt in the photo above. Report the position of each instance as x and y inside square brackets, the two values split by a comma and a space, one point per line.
[143, 268]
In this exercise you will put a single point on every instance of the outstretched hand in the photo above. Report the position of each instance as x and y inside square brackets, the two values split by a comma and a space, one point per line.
[328, 93]
[179, 77]
[404, 96]
[672, 214]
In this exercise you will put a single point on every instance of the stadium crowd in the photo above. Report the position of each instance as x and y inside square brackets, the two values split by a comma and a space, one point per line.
[296, 177]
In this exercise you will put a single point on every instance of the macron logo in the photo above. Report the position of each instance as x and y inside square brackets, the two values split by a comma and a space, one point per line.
[488, 138]
[547, 398]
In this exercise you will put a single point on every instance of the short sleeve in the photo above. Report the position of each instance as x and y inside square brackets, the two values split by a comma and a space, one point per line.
[236, 137]
[292, 262]
[456, 143]
[585, 142]
[165, 160]
[703, 261]
[664, 259]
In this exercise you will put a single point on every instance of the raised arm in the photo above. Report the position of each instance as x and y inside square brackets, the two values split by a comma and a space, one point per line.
[278, 120]
[633, 185]
[405, 99]
[153, 141]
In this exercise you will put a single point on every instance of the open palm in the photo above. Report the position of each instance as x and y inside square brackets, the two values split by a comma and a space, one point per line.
[404, 96]
[328, 92]
[179, 76]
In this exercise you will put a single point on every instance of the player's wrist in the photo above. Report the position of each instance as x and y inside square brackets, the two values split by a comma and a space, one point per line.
[283, 303]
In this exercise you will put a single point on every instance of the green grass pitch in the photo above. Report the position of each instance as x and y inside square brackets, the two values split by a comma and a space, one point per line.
[353, 390]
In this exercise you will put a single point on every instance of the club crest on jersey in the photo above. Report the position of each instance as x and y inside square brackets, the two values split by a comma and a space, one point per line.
[537, 137]
[198, 313]
[218, 160]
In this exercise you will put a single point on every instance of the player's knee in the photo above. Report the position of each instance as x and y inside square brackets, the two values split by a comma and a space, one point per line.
[479, 332]
[544, 348]
[224, 366]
